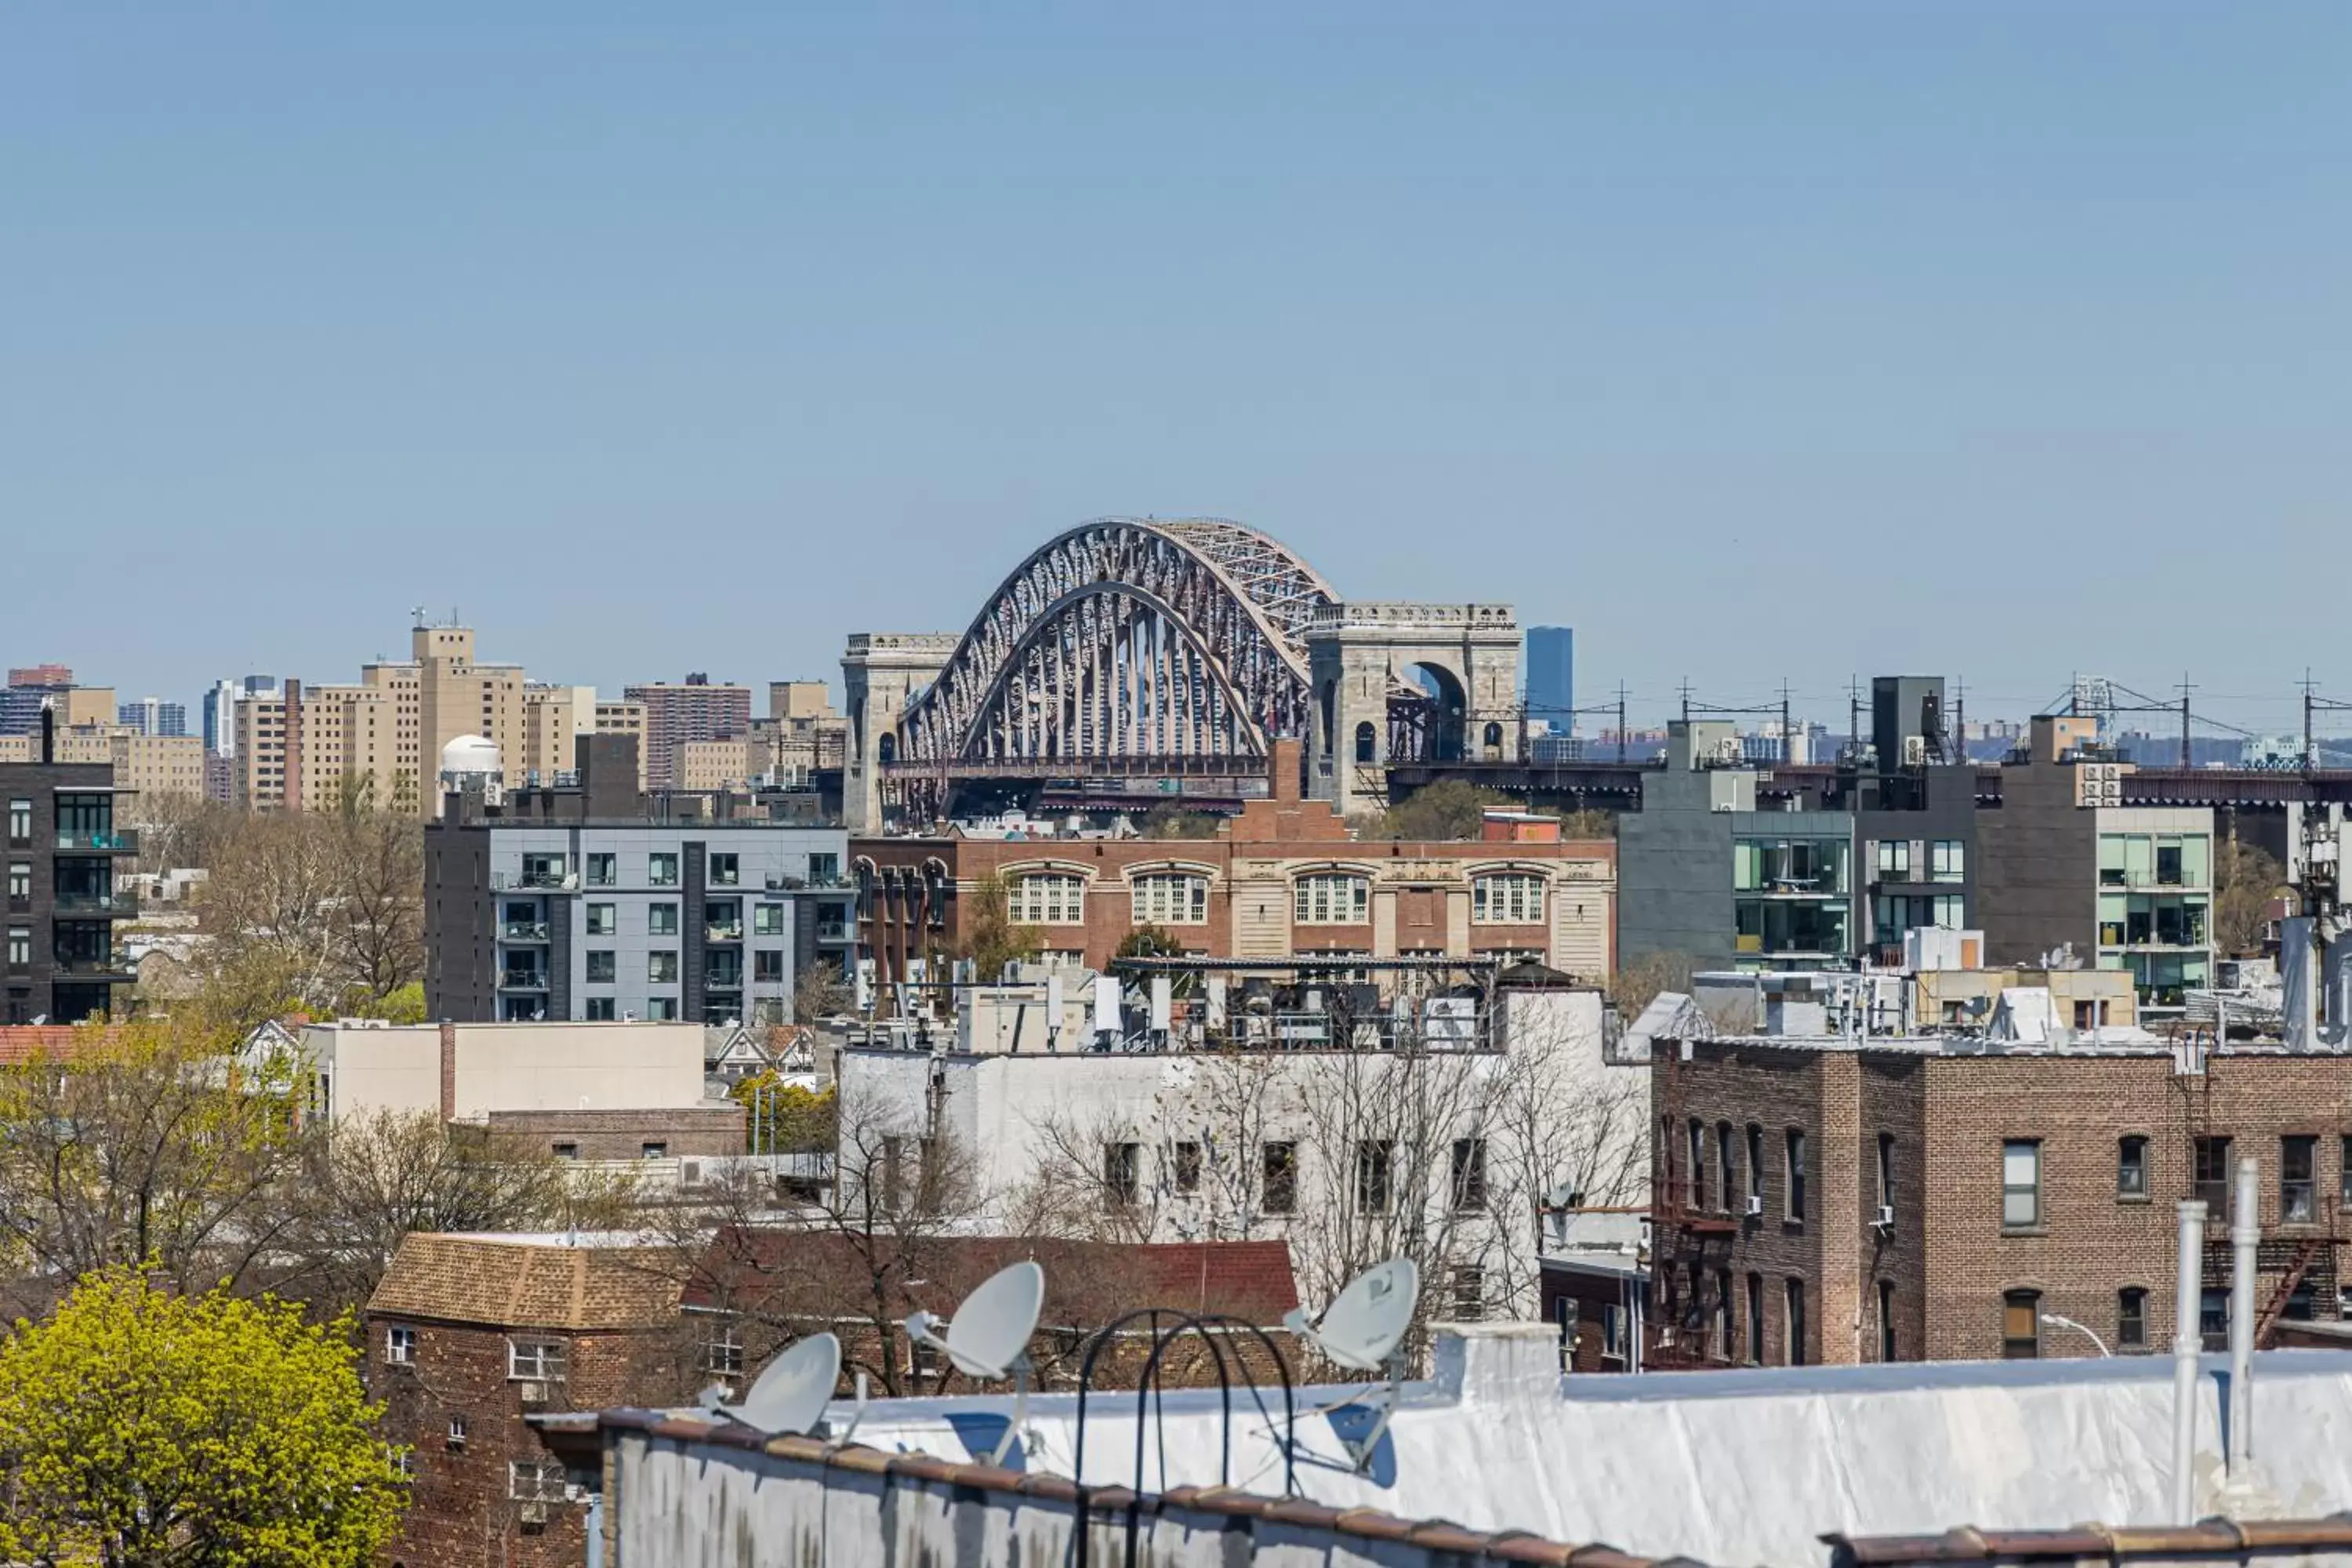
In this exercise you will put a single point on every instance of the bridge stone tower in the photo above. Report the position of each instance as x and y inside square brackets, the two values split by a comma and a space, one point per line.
[1359, 655]
[880, 674]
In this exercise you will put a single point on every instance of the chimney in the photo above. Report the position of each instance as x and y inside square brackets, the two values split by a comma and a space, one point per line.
[1285, 766]
[293, 745]
[49, 729]
[448, 1070]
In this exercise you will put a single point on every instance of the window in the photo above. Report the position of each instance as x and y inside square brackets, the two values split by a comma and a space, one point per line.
[1887, 1170]
[566, 1150]
[543, 870]
[1795, 1291]
[1374, 1157]
[20, 822]
[1049, 898]
[20, 881]
[1469, 1175]
[535, 1480]
[661, 869]
[1756, 1162]
[1894, 859]
[1949, 910]
[653, 1150]
[2167, 864]
[1366, 741]
[767, 920]
[1566, 1310]
[601, 1010]
[661, 966]
[1332, 898]
[1948, 860]
[457, 1432]
[2298, 1180]
[1120, 1167]
[2213, 1317]
[1724, 1336]
[1279, 1164]
[1469, 1293]
[403, 1464]
[1795, 1211]
[2346, 1168]
[1613, 1333]
[2131, 1168]
[1886, 1321]
[1188, 1167]
[1694, 1177]
[2021, 1185]
[726, 870]
[602, 920]
[661, 920]
[722, 1352]
[661, 1009]
[400, 1346]
[768, 965]
[1724, 1151]
[1755, 1319]
[2131, 1318]
[604, 968]
[2211, 1178]
[1169, 898]
[603, 870]
[2021, 1325]
[1507, 898]
[20, 947]
[535, 1361]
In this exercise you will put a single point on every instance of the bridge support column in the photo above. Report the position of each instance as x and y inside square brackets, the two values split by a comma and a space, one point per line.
[1454, 666]
[880, 674]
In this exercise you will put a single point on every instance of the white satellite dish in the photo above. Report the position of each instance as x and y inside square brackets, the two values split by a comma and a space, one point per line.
[791, 1395]
[988, 1338]
[1363, 1330]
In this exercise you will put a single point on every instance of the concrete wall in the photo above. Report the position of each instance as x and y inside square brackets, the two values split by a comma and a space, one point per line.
[510, 1067]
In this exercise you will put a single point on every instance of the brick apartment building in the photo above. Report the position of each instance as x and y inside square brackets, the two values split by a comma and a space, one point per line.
[1283, 876]
[479, 1346]
[1843, 1201]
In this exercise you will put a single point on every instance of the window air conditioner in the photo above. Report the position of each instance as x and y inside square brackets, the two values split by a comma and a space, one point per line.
[532, 1513]
[1886, 1217]
[534, 1394]
[1755, 1204]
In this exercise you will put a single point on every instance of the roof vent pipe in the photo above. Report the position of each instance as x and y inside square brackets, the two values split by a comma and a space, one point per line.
[2188, 1291]
[2245, 1240]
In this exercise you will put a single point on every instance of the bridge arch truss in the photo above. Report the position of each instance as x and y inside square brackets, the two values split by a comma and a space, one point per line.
[1127, 639]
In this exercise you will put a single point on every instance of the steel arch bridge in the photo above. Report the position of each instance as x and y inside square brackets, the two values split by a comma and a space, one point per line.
[1126, 639]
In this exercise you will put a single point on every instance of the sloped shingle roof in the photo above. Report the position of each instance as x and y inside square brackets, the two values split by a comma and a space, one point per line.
[530, 1283]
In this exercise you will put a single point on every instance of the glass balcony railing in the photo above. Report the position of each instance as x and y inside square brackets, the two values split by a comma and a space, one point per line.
[97, 906]
[723, 934]
[522, 931]
[522, 980]
[109, 967]
[108, 841]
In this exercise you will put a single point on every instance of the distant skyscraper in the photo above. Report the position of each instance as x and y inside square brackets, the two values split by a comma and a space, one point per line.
[154, 716]
[219, 710]
[20, 702]
[1551, 677]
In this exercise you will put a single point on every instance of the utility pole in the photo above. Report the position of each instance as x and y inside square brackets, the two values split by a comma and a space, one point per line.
[1686, 692]
[2185, 689]
[2310, 747]
[1621, 720]
[1788, 741]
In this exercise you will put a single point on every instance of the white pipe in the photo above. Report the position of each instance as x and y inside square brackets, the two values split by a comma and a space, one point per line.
[2187, 1293]
[2245, 1238]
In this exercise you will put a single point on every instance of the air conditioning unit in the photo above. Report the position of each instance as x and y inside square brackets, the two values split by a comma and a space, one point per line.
[689, 1173]
[1914, 751]
[532, 1513]
[574, 1492]
[1885, 1220]
[1755, 1206]
[534, 1393]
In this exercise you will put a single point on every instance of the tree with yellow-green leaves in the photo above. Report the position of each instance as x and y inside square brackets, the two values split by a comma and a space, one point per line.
[141, 1428]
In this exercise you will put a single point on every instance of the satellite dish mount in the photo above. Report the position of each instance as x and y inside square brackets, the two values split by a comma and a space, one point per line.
[988, 1339]
[1363, 1330]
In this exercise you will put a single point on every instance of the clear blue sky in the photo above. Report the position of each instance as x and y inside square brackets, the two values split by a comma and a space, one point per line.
[1808, 340]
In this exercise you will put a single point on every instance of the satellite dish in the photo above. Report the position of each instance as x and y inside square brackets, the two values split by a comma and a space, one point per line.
[988, 1338]
[792, 1394]
[1363, 1330]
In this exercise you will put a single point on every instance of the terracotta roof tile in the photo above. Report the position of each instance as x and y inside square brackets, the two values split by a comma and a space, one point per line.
[530, 1282]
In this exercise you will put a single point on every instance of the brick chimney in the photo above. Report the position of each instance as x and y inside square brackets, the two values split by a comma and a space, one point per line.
[1285, 765]
[448, 1070]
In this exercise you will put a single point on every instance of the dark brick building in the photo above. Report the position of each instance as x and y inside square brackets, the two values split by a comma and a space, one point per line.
[58, 845]
[1840, 1200]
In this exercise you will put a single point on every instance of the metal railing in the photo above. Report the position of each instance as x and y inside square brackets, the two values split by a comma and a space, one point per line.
[522, 980]
[523, 930]
[113, 967]
[108, 905]
[722, 933]
[112, 841]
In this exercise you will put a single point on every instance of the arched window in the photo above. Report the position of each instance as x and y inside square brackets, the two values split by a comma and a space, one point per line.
[886, 749]
[1365, 742]
[1169, 898]
[1049, 898]
[1332, 898]
[1494, 737]
[1507, 898]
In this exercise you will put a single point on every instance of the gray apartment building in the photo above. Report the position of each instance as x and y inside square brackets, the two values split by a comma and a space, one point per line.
[58, 959]
[590, 901]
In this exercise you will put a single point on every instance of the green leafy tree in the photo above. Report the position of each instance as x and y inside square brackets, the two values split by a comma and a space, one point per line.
[1447, 811]
[1166, 821]
[799, 1120]
[991, 939]
[2245, 879]
[140, 1429]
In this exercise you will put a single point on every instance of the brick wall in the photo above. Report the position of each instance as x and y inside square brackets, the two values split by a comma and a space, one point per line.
[690, 1133]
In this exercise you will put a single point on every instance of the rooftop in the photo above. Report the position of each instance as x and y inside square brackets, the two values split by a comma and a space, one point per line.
[586, 1282]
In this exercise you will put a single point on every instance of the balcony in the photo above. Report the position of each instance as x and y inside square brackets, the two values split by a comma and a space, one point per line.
[522, 980]
[105, 906]
[113, 970]
[723, 934]
[831, 930]
[544, 879]
[522, 931]
[109, 841]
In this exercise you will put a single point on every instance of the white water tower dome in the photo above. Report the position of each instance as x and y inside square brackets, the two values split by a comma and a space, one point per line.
[470, 754]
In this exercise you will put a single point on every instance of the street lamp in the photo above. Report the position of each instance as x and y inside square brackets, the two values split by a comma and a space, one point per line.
[2054, 1319]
